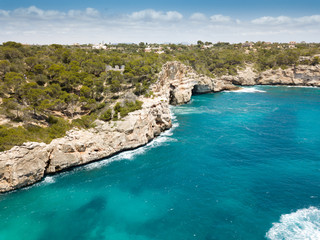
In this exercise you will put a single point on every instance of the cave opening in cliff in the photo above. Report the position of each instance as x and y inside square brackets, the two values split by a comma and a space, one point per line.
[200, 89]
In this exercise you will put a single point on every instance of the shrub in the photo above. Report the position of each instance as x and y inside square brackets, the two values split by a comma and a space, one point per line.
[52, 120]
[106, 116]
[128, 107]
[85, 121]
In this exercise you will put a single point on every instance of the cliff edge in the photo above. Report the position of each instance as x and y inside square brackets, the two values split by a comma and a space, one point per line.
[25, 165]
[301, 75]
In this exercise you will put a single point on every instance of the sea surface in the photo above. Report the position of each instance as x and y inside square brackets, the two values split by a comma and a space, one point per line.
[236, 165]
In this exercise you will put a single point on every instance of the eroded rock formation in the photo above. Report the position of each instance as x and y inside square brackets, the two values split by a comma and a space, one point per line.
[24, 165]
[177, 82]
[301, 75]
[27, 164]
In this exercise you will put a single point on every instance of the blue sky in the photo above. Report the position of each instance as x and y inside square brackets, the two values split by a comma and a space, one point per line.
[234, 7]
[93, 21]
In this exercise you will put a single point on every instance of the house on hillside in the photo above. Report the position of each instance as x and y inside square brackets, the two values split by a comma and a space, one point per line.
[248, 44]
[115, 68]
[99, 46]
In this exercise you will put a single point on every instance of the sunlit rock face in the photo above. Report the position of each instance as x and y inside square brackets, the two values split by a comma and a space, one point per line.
[301, 75]
[27, 164]
[177, 82]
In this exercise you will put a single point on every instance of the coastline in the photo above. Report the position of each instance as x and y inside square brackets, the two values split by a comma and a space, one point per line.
[25, 165]
[127, 154]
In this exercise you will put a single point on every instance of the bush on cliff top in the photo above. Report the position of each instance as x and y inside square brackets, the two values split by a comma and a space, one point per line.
[15, 136]
[42, 82]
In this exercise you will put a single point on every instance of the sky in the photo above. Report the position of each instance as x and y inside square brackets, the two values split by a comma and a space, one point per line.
[127, 21]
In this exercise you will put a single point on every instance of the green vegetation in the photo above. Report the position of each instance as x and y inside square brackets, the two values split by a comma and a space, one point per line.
[126, 108]
[224, 58]
[10, 136]
[47, 90]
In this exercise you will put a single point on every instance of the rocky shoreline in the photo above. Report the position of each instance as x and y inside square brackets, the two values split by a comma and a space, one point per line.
[25, 165]
[301, 75]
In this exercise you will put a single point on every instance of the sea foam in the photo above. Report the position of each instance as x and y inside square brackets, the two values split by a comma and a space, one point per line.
[302, 86]
[302, 224]
[46, 181]
[49, 179]
[247, 90]
[131, 154]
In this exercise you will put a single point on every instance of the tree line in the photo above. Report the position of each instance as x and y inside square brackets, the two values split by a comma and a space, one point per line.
[47, 90]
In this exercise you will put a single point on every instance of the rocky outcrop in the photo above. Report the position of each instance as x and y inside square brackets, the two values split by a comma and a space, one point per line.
[177, 82]
[24, 165]
[27, 164]
[301, 75]
[83, 146]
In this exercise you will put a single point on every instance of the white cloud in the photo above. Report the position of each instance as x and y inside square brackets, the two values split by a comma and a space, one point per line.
[150, 14]
[88, 12]
[282, 20]
[314, 19]
[272, 20]
[35, 12]
[198, 17]
[35, 25]
[220, 19]
[4, 13]
[92, 12]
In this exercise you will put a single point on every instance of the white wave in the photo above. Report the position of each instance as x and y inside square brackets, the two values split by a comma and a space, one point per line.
[302, 224]
[46, 181]
[131, 154]
[49, 179]
[187, 110]
[247, 90]
[302, 86]
[195, 110]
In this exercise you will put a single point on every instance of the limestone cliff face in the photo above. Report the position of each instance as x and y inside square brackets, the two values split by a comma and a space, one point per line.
[27, 164]
[177, 82]
[24, 165]
[301, 75]
[84, 146]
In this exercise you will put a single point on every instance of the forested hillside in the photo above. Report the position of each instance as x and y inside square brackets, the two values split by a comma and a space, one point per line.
[47, 90]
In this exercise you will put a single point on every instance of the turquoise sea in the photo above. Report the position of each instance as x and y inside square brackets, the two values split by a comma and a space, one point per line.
[236, 165]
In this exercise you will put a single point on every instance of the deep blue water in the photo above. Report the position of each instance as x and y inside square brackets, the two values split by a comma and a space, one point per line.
[236, 163]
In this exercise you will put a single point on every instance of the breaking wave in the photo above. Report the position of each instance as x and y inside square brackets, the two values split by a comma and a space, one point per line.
[302, 224]
[302, 86]
[247, 90]
[46, 181]
[164, 138]
[49, 179]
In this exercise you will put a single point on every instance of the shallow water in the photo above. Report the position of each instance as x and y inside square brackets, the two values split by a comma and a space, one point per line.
[235, 163]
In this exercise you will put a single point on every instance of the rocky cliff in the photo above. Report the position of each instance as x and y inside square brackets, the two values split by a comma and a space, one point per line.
[301, 75]
[177, 82]
[27, 164]
[24, 165]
